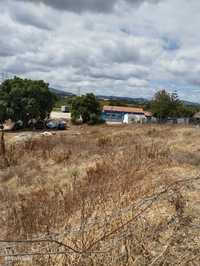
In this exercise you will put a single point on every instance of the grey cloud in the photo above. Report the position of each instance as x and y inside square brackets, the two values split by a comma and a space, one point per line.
[196, 82]
[119, 72]
[6, 53]
[29, 15]
[6, 50]
[78, 5]
[122, 52]
[9, 48]
[28, 18]
[86, 5]
[20, 65]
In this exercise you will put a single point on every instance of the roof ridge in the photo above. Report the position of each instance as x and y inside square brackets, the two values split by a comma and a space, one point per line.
[123, 109]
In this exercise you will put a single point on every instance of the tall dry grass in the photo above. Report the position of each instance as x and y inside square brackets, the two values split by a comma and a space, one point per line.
[114, 209]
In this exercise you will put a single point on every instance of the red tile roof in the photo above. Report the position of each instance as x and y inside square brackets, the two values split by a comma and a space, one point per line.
[123, 109]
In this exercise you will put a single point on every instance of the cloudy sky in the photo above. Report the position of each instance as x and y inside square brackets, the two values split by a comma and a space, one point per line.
[110, 47]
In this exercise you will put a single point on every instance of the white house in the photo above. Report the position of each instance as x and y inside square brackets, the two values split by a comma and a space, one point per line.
[124, 114]
[134, 118]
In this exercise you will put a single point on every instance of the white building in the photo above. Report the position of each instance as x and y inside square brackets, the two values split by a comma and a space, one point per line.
[134, 118]
[124, 114]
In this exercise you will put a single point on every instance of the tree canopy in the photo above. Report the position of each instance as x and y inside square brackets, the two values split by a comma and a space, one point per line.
[86, 107]
[24, 99]
[166, 105]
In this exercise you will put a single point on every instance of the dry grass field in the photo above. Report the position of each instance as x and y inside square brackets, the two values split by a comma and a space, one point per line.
[101, 196]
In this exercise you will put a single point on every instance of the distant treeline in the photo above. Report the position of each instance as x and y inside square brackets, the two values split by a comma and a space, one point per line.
[162, 105]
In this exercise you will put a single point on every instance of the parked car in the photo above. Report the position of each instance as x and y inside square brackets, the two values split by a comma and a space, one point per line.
[52, 124]
[62, 125]
[56, 125]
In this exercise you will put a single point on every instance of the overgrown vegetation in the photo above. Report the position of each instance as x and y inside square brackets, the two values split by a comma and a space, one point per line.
[25, 100]
[86, 108]
[102, 196]
[166, 105]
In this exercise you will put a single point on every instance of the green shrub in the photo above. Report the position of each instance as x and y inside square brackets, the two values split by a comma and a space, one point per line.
[95, 120]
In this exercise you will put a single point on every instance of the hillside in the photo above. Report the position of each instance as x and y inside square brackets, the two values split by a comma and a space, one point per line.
[107, 195]
[120, 100]
[61, 93]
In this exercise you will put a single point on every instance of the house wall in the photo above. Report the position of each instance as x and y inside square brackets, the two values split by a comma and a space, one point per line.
[134, 118]
[113, 116]
[117, 116]
[183, 121]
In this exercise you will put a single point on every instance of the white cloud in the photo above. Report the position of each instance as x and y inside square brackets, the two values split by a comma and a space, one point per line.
[115, 47]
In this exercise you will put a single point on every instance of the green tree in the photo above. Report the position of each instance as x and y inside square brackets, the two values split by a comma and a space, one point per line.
[87, 107]
[189, 111]
[160, 105]
[166, 105]
[24, 99]
[176, 108]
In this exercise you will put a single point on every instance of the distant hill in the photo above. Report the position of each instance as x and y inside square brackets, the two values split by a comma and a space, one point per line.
[126, 100]
[140, 101]
[61, 93]
[192, 104]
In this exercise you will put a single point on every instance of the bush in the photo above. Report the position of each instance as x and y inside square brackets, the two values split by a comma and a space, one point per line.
[95, 120]
[24, 100]
[87, 108]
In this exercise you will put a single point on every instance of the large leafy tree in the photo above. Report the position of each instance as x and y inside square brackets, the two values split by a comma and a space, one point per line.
[166, 105]
[87, 107]
[24, 99]
[160, 105]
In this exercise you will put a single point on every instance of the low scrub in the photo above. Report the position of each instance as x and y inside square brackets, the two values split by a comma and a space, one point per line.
[105, 196]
